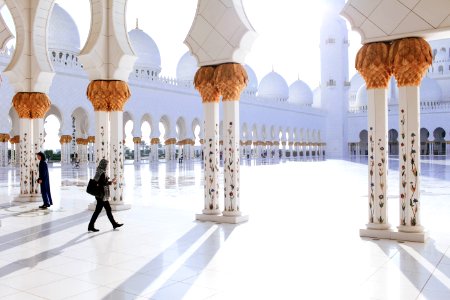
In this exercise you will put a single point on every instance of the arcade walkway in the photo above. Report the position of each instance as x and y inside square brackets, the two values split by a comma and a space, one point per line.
[301, 241]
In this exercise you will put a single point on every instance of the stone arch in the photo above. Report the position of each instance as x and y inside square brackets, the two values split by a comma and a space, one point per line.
[165, 122]
[363, 142]
[263, 133]
[80, 122]
[49, 127]
[254, 132]
[424, 141]
[244, 131]
[181, 129]
[393, 142]
[439, 145]
[197, 125]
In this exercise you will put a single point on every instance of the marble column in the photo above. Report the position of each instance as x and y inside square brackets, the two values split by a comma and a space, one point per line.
[31, 108]
[4, 139]
[210, 98]
[410, 59]
[137, 149]
[231, 79]
[373, 64]
[154, 142]
[108, 98]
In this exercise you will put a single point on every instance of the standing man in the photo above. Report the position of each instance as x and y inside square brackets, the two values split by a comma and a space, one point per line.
[44, 181]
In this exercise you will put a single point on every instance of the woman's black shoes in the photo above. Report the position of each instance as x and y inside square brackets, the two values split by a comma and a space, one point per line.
[93, 229]
[117, 225]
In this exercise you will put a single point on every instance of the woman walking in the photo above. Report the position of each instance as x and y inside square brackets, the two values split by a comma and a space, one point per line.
[103, 200]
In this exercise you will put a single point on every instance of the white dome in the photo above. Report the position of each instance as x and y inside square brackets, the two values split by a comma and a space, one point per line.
[273, 86]
[361, 96]
[355, 83]
[430, 91]
[300, 93]
[187, 67]
[62, 31]
[252, 85]
[145, 49]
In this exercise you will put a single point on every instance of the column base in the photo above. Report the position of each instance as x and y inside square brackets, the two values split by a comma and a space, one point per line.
[28, 198]
[114, 207]
[222, 218]
[391, 234]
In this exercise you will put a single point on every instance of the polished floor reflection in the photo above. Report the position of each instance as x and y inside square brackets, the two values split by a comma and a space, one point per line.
[301, 241]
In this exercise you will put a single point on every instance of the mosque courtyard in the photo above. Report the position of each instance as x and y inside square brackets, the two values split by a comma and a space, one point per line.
[301, 241]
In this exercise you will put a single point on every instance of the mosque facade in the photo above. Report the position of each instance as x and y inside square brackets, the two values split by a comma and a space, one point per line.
[276, 119]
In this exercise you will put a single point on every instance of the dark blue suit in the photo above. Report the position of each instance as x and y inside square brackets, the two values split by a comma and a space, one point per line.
[45, 184]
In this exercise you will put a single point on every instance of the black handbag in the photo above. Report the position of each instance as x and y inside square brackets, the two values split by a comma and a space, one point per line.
[93, 188]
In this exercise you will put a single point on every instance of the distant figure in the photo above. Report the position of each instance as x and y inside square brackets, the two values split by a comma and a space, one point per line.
[180, 159]
[103, 200]
[44, 181]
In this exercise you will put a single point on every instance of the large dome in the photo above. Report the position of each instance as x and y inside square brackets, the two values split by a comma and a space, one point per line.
[300, 93]
[252, 85]
[273, 86]
[361, 96]
[186, 67]
[430, 91]
[62, 31]
[145, 49]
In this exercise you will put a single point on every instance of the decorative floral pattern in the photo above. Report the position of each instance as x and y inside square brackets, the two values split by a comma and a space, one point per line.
[381, 179]
[211, 169]
[231, 166]
[409, 174]
[371, 174]
[403, 175]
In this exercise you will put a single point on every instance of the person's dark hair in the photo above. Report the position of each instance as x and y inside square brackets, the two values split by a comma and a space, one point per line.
[41, 155]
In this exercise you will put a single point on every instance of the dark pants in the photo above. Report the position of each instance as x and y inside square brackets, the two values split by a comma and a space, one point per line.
[98, 209]
[46, 196]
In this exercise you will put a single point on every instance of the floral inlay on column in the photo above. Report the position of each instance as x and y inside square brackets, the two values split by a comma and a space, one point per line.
[410, 59]
[204, 83]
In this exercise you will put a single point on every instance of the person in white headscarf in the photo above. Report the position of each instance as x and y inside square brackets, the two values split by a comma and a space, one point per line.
[103, 200]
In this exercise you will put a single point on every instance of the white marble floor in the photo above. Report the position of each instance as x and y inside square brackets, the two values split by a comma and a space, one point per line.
[301, 241]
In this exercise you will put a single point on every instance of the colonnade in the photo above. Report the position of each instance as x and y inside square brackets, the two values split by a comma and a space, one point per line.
[408, 60]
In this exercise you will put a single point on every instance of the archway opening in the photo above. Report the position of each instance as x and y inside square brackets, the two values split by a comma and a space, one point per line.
[52, 146]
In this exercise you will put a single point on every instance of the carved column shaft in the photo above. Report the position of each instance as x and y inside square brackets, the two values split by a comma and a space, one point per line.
[372, 62]
[231, 79]
[204, 83]
[410, 59]
[31, 108]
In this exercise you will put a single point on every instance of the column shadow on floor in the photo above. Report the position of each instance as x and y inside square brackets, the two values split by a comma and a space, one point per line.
[207, 249]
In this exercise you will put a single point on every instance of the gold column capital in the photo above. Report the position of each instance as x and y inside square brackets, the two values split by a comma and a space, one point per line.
[91, 139]
[4, 137]
[372, 62]
[137, 140]
[230, 79]
[108, 95]
[31, 105]
[154, 141]
[204, 83]
[410, 59]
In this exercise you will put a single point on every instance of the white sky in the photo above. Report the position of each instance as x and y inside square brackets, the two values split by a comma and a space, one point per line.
[288, 33]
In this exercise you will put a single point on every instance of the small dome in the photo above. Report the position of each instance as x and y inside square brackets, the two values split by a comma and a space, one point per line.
[252, 85]
[361, 96]
[355, 83]
[273, 86]
[186, 67]
[145, 49]
[430, 91]
[300, 93]
[62, 31]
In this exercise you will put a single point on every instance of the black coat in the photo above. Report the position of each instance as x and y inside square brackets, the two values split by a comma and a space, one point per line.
[43, 175]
